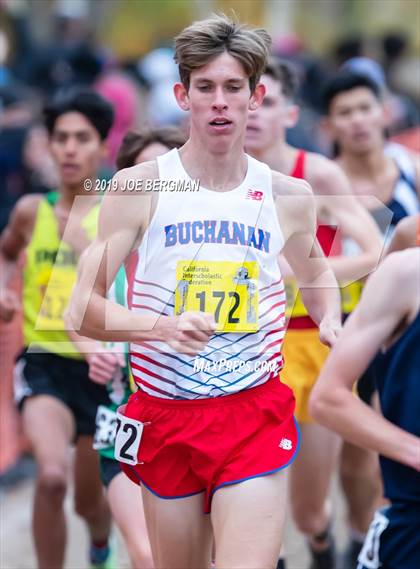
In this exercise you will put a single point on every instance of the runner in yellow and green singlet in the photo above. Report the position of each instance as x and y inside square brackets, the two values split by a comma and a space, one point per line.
[52, 387]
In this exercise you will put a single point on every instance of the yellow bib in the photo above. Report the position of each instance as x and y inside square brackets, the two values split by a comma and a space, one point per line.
[48, 280]
[350, 296]
[229, 290]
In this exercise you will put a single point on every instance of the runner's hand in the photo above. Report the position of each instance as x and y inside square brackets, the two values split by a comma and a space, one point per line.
[104, 365]
[328, 332]
[190, 332]
[9, 304]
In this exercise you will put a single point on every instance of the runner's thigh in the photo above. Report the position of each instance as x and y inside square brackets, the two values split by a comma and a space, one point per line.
[248, 521]
[179, 531]
[50, 427]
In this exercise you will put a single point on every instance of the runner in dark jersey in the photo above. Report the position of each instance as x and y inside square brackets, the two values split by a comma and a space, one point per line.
[386, 319]
[356, 121]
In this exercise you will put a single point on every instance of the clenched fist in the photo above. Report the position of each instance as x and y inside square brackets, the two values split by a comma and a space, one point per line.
[188, 333]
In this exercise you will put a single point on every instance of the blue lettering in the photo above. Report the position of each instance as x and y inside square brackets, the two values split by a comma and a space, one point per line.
[170, 232]
[184, 237]
[223, 236]
[264, 244]
[251, 237]
[209, 231]
[229, 232]
[197, 225]
[238, 233]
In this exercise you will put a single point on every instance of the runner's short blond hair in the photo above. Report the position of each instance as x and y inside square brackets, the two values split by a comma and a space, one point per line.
[204, 40]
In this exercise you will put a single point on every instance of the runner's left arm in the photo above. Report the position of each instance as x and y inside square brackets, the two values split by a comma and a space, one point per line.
[334, 196]
[296, 213]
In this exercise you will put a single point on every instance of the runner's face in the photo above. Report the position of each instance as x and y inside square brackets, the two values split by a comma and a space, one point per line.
[219, 99]
[267, 124]
[76, 148]
[357, 121]
[151, 151]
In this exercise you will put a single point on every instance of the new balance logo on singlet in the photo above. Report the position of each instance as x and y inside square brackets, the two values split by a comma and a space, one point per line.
[255, 195]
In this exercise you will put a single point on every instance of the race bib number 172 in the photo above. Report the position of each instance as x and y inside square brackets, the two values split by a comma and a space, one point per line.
[228, 290]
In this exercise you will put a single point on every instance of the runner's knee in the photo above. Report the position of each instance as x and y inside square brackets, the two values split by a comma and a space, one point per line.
[52, 480]
[89, 508]
[310, 518]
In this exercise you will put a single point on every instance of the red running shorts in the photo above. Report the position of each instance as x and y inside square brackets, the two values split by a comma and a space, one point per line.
[201, 445]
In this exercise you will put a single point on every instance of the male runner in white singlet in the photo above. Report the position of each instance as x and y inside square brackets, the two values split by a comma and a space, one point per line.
[207, 314]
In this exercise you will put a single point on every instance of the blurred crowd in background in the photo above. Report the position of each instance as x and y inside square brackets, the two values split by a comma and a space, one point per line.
[70, 50]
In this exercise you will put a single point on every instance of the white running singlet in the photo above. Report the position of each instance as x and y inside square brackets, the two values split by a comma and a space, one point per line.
[213, 252]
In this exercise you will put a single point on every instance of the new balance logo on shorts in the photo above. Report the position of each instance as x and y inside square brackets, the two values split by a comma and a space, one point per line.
[286, 444]
[255, 195]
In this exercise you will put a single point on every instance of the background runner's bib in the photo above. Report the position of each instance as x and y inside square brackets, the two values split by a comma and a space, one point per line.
[350, 296]
[214, 252]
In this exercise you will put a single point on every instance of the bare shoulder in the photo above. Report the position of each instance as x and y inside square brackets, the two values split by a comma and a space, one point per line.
[408, 227]
[325, 176]
[396, 279]
[403, 266]
[22, 218]
[294, 202]
[26, 207]
[131, 178]
[286, 186]
[18, 231]
[130, 208]
[292, 195]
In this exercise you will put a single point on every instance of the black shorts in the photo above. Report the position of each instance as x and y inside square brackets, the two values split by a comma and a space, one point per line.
[109, 468]
[63, 378]
[392, 539]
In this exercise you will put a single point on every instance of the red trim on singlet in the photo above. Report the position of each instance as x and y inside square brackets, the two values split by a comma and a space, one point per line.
[130, 270]
[299, 167]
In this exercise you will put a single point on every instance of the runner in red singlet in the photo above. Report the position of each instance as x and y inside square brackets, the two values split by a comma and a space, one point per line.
[304, 354]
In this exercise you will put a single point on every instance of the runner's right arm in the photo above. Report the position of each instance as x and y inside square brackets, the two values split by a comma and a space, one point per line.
[122, 222]
[13, 240]
[387, 303]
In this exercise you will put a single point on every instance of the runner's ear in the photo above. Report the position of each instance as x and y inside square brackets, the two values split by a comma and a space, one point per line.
[292, 116]
[257, 97]
[181, 96]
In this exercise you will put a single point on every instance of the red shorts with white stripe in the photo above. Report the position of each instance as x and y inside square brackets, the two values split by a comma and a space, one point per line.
[198, 446]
